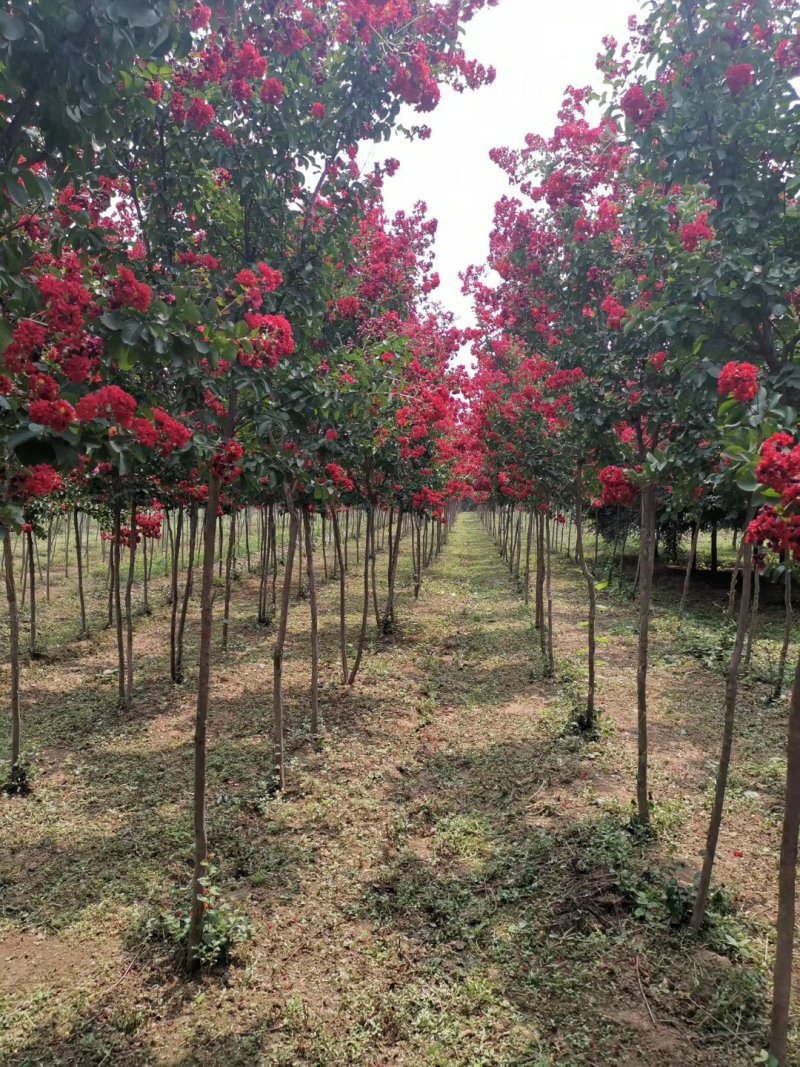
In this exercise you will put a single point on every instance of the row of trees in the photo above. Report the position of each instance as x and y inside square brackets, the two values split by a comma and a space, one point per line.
[205, 307]
[640, 348]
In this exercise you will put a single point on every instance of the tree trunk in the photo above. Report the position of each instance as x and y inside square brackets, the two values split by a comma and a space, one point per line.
[79, 560]
[195, 936]
[588, 722]
[187, 592]
[687, 578]
[32, 574]
[312, 600]
[173, 631]
[337, 540]
[13, 620]
[787, 882]
[226, 620]
[731, 694]
[277, 654]
[365, 609]
[116, 548]
[646, 562]
[787, 626]
[551, 666]
[387, 622]
[128, 697]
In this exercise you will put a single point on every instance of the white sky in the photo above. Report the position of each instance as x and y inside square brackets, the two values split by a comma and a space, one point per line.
[537, 49]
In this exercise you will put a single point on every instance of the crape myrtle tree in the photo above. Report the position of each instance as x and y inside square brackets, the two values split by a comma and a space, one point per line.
[711, 113]
[217, 172]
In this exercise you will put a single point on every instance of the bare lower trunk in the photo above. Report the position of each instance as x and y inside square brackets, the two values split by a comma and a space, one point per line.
[365, 609]
[528, 543]
[173, 630]
[551, 666]
[787, 627]
[588, 722]
[787, 884]
[195, 936]
[646, 562]
[32, 573]
[226, 615]
[337, 539]
[187, 594]
[277, 654]
[13, 620]
[128, 699]
[387, 622]
[117, 581]
[312, 600]
[79, 561]
[687, 578]
[731, 694]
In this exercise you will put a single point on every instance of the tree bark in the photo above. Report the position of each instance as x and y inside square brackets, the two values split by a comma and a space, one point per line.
[646, 562]
[128, 699]
[731, 694]
[337, 540]
[787, 885]
[277, 654]
[589, 718]
[13, 620]
[195, 935]
[312, 600]
[79, 560]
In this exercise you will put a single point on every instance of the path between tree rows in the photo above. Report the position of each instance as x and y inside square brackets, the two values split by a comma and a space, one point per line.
[437, 886]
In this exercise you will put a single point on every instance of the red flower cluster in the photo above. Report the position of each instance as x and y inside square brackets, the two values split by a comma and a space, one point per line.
[110, 403]
[126, 291]
[56, 415]
[41, 480]
[339, 478]
[640, 109]
[739, 380]
[225, 462]
[779, 469]
[739, 77]
[617, 487]
[614, 312]
[692, 233]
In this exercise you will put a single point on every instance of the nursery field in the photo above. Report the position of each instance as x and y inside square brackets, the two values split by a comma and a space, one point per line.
[451, 875]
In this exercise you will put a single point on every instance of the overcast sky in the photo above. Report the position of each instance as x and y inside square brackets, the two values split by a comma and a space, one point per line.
[537, 49]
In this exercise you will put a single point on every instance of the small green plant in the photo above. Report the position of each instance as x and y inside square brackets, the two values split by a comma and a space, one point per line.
[19, 781]
[223, 927]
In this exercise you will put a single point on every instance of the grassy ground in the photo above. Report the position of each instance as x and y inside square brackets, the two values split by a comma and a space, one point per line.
[450, 881]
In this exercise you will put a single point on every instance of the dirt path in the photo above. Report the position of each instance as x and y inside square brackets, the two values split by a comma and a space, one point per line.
[448, 882]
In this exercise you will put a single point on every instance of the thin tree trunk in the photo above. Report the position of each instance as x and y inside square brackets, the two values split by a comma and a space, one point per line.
[787, 626]
[277, 654]
[731, 694]
[117, 581]
[173, 630]
[128, 698]
[787, 886]
[337, 540]
[195, 935]
[312, 600]
[79, 560]
[365, 609]
[13, 620]
[687, 578]
[646, 562]
[528, 544]
[32, 573]
[551, 666]
[187, 590]
[226, 619]
[588, 722]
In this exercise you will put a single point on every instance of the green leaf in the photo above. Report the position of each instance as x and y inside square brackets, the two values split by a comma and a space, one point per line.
[12, 28]
[17, 192]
